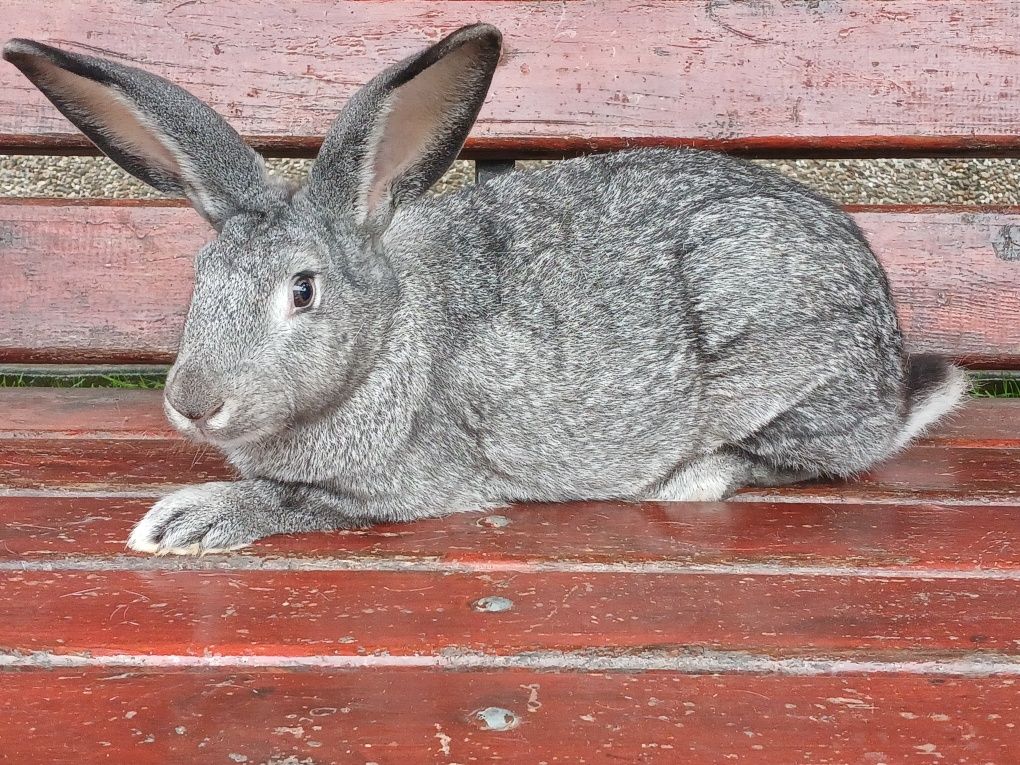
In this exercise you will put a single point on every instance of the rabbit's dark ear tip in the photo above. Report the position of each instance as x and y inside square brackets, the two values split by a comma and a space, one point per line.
[488, 32]
[19, 49]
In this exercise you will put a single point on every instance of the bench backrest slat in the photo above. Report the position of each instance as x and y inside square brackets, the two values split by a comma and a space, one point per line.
[110, 283]
[822, 77]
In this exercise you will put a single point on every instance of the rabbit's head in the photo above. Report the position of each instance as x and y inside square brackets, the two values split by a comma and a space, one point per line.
[292, 299]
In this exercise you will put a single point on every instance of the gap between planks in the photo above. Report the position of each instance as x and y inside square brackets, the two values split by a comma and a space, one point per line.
[229, 563]
[697, 662]
[156, 491]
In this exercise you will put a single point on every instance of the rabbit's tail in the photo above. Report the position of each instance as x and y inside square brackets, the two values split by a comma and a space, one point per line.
[934, 388]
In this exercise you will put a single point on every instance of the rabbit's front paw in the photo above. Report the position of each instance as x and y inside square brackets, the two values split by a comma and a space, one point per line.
[210, 517]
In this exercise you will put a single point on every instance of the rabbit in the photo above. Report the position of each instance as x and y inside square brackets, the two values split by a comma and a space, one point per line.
[652, 324]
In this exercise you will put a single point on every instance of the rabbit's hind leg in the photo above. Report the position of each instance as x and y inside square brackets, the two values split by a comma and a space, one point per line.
[716, 476]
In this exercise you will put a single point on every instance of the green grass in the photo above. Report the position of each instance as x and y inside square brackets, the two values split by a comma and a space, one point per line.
[131, 381]
[997, 387]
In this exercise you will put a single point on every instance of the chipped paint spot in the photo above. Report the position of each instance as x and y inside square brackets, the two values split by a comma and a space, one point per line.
[492, 604]
[444, 740]
[1007, 243]
[237, 757]
[496, 719]
[848, 702]
[533, 703]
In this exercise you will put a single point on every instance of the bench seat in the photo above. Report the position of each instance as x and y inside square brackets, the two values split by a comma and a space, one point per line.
[817, 623]
[866, 622]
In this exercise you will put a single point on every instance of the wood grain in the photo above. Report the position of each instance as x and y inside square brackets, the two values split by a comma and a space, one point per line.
[109, 413]
[779, 77]
[394, 614]
[111, 282]
[84, 443]
[150, 467]
[972, 540]
[394, 717]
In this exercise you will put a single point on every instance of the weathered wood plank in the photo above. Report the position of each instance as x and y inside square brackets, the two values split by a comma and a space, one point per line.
[111, 413]
[399, 716]
[83, 413]
[101, 465]
[115, 441]
[393, 614]
[908, 76]
[79, 279]
[932, 539]
[922, 474]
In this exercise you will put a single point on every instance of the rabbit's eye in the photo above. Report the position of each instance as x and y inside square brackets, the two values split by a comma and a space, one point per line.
[303, 290]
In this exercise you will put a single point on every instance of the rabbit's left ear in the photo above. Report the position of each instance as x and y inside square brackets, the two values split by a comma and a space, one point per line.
[155, 130]
[403, 130]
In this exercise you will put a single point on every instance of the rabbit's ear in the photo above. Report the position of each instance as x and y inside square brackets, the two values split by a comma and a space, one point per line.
[155, 130]
[403, 130]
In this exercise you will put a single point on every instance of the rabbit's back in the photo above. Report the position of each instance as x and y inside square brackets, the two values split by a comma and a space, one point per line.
[614, 315]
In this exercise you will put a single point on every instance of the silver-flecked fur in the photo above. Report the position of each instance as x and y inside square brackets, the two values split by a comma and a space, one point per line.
[648, 324]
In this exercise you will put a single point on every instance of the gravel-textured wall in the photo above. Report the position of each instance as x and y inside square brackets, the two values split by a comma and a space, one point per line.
[986, 181]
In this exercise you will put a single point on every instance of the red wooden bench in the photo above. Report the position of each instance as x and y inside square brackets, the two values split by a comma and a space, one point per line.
[867, 622]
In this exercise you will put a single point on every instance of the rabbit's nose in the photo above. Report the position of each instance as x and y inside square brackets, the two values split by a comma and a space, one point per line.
[196, 414]
[190, 394]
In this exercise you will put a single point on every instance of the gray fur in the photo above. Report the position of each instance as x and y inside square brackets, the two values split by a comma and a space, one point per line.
[654, 323]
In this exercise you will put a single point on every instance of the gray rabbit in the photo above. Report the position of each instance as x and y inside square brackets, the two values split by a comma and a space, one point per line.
[650, 324]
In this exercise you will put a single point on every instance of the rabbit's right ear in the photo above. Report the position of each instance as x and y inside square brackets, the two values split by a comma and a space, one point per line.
[155, 130]
[403, 130]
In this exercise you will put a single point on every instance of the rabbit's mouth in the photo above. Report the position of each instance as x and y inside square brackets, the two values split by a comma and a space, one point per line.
[224, 426]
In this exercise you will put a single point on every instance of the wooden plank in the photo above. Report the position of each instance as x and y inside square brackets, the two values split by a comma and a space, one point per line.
[83, 413]
[156, 611]
[409, 716]
[922, 474]
[114, 441]
[982, 423]
[848, 78]
[151, 465]
[81, 280]
[70, 268]
[112, 413]
[929, 539]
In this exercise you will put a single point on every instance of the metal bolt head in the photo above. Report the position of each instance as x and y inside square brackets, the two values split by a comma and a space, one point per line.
[496, 719]
[494, 522]
[492, 604]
